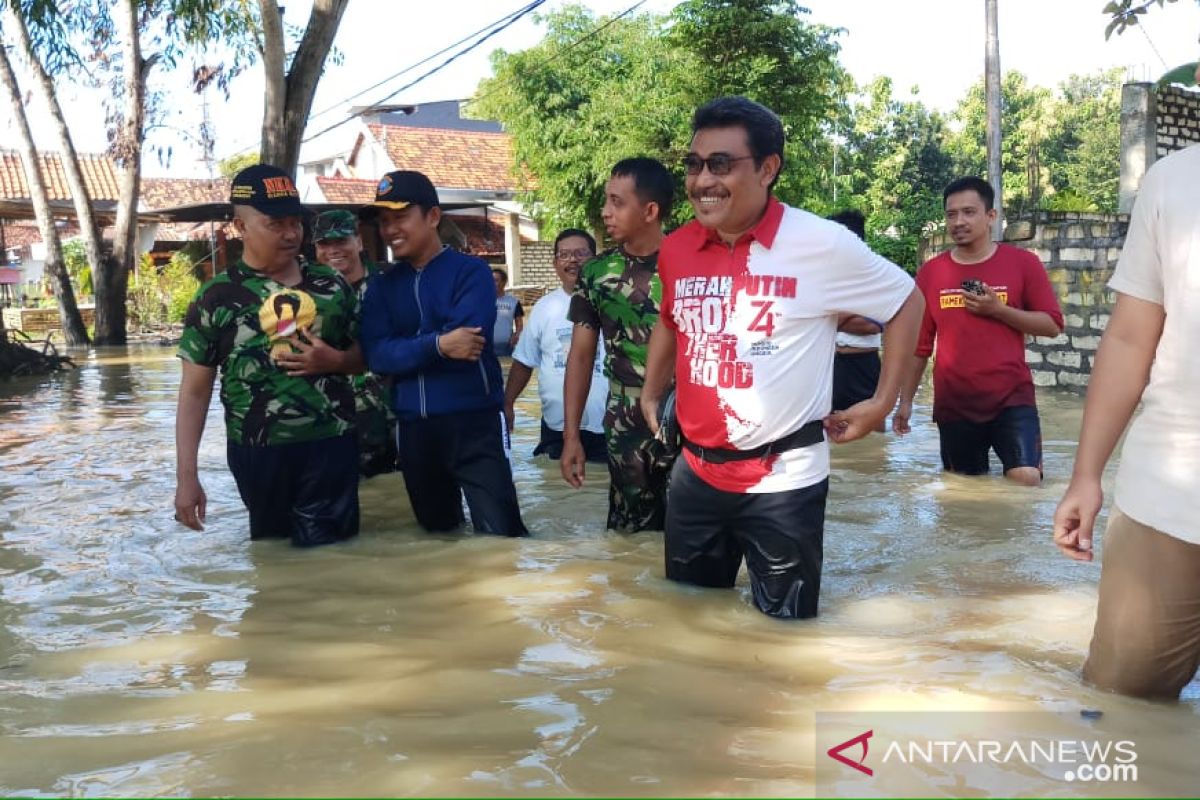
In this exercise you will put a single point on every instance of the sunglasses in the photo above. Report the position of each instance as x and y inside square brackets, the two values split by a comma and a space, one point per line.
[718, 163]
[581, 254]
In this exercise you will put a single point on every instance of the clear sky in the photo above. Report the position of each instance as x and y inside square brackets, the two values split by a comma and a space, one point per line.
[936, 45]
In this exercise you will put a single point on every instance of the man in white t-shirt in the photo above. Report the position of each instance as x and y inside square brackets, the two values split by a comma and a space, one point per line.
[752, 294]
[1147, 636]
[856, 364]
[544, 345]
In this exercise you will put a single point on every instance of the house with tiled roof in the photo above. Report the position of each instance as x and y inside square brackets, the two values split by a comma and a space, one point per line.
[99, 175]
[20, 237]
[469, 161]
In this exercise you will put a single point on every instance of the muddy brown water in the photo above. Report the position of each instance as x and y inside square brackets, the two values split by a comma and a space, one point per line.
[139, 658]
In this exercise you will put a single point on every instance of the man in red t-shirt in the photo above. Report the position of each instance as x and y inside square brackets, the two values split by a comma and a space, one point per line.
[981, 300]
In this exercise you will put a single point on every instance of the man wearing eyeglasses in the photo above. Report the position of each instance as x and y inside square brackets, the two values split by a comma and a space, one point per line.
[752, 294]
[544, 346]
[618, 296]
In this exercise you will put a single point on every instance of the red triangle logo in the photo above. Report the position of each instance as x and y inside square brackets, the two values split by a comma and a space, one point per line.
[835, 752]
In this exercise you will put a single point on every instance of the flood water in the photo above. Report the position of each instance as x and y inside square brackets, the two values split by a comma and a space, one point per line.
[140, 658]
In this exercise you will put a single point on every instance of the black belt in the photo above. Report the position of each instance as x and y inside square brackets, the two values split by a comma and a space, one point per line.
[805, 436]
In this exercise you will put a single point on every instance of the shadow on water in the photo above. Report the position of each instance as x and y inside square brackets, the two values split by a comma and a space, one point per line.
[138, 658]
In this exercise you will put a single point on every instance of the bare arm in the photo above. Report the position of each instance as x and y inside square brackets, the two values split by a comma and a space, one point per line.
[518, 379]
[660, 369]
[910, 380]
[899, 341]
[1119, 376]
[576, 384]
[195, 393]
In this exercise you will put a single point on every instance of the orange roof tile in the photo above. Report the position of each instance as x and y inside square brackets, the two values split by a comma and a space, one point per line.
[451, 159]
[20, 234]
[99, 174]
[347, 190]
[160, 193]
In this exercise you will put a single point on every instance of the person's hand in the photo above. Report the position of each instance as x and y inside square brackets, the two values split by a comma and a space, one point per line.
[310, 355]
[1075, 518]
[463, 344]
[856, 421]
[900, 420]
[572, 461]
[983, 305]
[650, 413]
[512, 340]
[191, 504]
[510, 416]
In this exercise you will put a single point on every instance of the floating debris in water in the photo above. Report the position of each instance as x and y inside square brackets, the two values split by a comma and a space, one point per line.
[1091, 713]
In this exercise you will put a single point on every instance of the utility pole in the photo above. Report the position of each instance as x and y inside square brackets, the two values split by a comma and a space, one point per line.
[992, 91]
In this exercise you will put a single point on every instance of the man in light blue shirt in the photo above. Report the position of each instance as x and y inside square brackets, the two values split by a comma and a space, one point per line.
[544, 345]
[509, 316]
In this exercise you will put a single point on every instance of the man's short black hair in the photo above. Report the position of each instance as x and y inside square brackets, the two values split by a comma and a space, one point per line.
[651, 181]
[567, 233]
[503, 275]
[972, 183]
[853, 219]
[764, 130]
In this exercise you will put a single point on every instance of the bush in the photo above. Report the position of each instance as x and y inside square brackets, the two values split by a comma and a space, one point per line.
[1068, 200]
[75, 258]
[900, 250]
[160, 296]
[179, 279]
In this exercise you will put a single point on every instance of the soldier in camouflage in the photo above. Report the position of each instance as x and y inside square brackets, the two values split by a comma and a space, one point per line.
[338, 245]
[618, 296]
[282, 334]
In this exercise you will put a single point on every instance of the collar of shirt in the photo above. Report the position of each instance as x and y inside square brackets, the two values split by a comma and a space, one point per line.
[242, 271]
[763, 231]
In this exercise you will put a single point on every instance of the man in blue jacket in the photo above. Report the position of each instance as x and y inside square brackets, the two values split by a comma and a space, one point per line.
[428, 322]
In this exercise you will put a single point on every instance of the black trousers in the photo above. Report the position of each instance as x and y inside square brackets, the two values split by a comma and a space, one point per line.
[452, 455]
[781, 535]
[855, 377]
[595, 449]
[306, 492]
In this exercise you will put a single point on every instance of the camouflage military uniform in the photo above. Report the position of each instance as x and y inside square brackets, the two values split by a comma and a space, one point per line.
[620, 294]
[374, 419]
[238, 318]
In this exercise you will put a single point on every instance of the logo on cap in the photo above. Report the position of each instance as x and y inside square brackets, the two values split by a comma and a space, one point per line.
[279, 187]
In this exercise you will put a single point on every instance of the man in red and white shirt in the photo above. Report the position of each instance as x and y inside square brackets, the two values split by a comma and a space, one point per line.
[752, 291]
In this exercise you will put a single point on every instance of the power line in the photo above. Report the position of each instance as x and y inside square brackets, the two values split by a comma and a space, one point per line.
[428, 58]
[571, 46]
[1150, 41]
[513, 18]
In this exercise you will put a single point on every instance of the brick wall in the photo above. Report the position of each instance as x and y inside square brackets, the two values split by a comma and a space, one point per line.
[1177, 119]
[537, 265]
[1080, 252]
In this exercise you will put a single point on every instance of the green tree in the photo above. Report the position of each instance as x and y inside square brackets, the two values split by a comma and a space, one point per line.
[76, 258]
[580, 100]
[763, 50]
[898, 166]
[228, 167]
[1083, 151]
[118, 44]
[594, 91]
[1027, 119]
